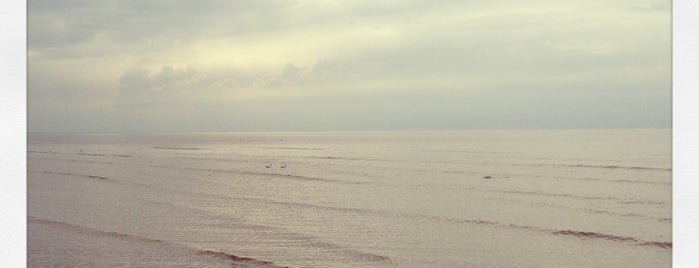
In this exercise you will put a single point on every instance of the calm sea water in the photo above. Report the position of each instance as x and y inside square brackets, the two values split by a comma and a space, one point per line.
[549, 198]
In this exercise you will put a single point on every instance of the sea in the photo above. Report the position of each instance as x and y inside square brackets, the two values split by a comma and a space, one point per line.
[474, 198]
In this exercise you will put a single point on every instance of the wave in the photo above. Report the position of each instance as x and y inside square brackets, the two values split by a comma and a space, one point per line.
[236, 260]
[606, 212]
[582, 234]
[69, 174]
[117, 155]
[75, 160]
[307, 240]
[381, 159]
[504, 175]
[603, 180]
[596, 235]
[461, 151]
[326, 180]
[91, 230]
[242, 172]
[480, 174]
[539, 193]
[657, 244]
[642, 182]
[622, 201]
[495, 224]
[292, 148]
[344, 158]
[364, 159]
[565, 232]
[619, 167]
[494, 163]
[104, 179]
[175, 148]
[354, 255]
[642, 202]
[266, 174]
[290, 176]
[360, 211]
[575, 233]
[368, 257]
[39, 152]
[308, 178]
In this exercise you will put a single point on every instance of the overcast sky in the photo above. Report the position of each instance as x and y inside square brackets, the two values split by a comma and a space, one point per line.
[348, 65]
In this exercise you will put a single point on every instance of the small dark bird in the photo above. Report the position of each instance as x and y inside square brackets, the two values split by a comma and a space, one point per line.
[283, 166]
[487, 177]
[268, 166]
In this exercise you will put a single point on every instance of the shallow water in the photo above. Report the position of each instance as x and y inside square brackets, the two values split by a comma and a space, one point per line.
[580, 198]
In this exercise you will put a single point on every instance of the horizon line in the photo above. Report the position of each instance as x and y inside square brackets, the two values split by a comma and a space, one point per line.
[306, 131]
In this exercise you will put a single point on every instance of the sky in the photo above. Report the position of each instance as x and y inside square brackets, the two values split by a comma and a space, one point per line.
[149, 66]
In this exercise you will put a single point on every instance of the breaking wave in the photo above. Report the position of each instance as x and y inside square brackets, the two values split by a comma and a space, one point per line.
[574, 233]
[595, 235]
[235, 260]
[91, 230]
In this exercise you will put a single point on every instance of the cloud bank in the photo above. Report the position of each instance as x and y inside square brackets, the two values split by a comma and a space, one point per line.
[347, 65]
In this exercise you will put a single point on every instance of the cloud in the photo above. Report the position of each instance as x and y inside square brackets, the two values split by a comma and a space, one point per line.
[139, 81]
[288, 75]
[183, 87]
[181, 62]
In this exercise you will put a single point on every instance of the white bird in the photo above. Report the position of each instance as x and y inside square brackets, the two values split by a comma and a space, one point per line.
[268, 166]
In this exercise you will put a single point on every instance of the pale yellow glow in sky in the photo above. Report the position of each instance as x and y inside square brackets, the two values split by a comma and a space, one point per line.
[175, 54]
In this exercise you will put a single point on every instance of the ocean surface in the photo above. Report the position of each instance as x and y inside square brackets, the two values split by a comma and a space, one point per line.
[530, 198]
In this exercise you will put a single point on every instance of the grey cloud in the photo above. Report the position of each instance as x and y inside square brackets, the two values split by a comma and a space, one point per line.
[289, 74]
[66, 23]
[187, 88]
[139, 89]
[168, 76]
[172, 81]
[365, 65]
[67, 103]
[139, 81]
[134, 82]
[69, 23]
